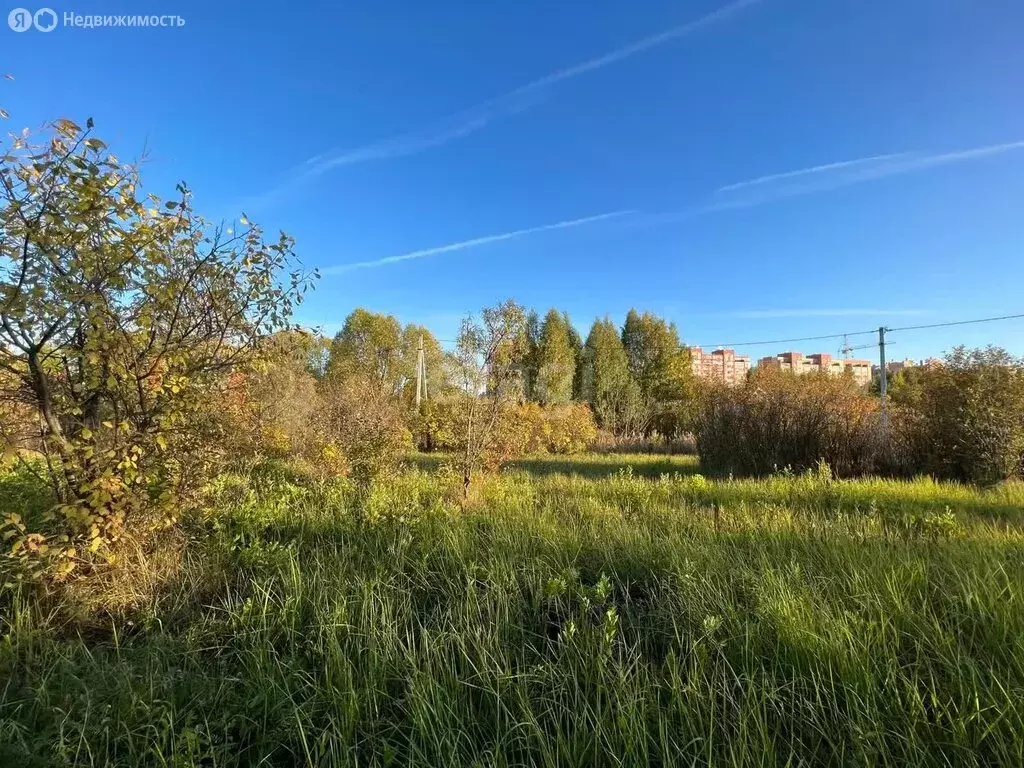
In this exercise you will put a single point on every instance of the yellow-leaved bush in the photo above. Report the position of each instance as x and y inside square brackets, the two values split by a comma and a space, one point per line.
[123, 317]
[521, 429]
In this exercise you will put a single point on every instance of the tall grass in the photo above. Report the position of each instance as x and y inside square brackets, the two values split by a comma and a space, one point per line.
[568, 617]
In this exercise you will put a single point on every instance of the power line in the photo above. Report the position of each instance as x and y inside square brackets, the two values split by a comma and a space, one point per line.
[791, 341]
[958, 322]
[865, 333]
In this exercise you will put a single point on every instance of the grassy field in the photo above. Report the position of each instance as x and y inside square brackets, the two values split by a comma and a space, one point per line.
[606, 610]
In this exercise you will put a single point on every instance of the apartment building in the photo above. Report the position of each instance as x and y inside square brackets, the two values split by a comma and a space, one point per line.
[722, 365]
[893, 366]
[821, 362]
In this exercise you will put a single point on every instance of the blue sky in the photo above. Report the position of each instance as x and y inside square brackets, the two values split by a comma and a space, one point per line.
[753, 170]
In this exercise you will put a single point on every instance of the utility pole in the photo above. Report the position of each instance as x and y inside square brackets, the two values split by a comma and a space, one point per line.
[883, 387]
[421, 375]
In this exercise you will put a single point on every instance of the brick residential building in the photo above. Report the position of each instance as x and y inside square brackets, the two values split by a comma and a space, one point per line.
[893, 366]
[822, 362]
[722, 365]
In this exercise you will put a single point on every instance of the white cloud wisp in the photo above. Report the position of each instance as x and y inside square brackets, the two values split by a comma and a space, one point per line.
[472, 243]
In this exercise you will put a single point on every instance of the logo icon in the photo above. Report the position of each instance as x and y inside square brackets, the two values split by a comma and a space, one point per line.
[20, 19]
[45, 19]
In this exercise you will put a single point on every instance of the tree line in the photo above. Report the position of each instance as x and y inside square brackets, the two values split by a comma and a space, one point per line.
[637, 379]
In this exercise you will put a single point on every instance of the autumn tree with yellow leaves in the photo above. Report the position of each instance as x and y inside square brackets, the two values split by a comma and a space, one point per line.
[121, 317]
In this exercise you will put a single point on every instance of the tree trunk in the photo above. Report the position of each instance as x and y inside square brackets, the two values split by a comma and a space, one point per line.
[44, 404]
[467, 466]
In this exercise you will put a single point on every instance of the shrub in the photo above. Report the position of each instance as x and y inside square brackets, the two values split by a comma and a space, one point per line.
[569, 428]
[270, 405]
[521, 429]
[964, 419]
[516, 431]
[608, 442]
[366, 424]
[777, 420]
[122, 316]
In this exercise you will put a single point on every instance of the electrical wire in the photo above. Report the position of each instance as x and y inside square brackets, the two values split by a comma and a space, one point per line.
[956, 322]
[790, 341]
[864, 333]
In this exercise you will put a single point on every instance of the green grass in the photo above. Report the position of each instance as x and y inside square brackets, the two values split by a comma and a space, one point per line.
[587, 612]
[592, 466]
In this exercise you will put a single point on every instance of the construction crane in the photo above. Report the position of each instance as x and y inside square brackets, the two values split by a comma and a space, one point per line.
[846, 349]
